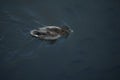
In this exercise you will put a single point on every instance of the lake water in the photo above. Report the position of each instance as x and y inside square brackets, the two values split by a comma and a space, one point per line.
[91, 52]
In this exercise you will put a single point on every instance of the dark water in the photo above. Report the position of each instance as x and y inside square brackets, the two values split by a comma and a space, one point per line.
[90, 53]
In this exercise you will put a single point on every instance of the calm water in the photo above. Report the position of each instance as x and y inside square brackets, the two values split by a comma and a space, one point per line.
[90, 53]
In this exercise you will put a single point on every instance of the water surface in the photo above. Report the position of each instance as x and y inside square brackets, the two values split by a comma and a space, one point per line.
[90, 53]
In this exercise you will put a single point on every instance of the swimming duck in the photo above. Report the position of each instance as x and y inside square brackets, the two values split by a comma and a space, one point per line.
[51, 32]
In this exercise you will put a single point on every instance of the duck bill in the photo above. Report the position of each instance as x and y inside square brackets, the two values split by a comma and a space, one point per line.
[71, 30]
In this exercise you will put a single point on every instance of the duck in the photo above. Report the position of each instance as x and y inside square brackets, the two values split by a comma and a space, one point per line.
[51, 32]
